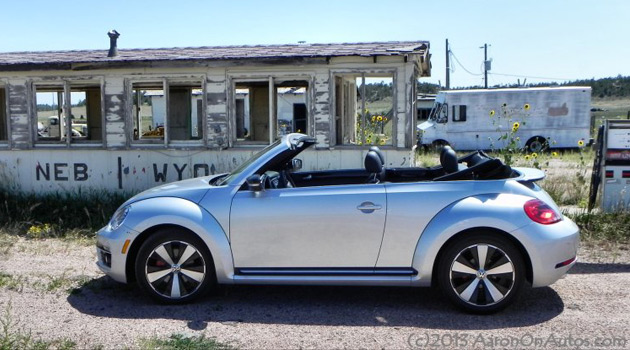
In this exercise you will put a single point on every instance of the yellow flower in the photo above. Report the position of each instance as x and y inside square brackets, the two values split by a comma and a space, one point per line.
[492, 113]
[373, 118]
[554, 154]
[534, 155]
[382, 141]
[384, 119]
[526, 107]
[581, 143]
[368, 140]
[379, 118]
[527, 157]
[515, 126]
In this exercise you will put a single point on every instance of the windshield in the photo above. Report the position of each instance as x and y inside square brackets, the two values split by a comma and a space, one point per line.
[228, 179]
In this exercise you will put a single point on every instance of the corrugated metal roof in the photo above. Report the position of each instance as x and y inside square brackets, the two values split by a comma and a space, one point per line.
[214, 53]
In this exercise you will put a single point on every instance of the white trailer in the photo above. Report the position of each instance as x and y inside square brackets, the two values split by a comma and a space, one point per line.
[557, 117]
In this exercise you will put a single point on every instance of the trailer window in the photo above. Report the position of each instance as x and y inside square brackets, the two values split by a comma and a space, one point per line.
[149, 111]
[459, 113]
[364, 108]
[291, 111]
[85, 113]
[3, 115]
[185, 111]
[252, 111]
[50, 113]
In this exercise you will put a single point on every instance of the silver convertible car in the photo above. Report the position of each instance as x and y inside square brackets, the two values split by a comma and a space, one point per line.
[473, 226]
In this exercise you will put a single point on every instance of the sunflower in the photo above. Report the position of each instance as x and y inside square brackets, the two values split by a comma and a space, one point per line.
[368, 141]
[373, 118]
[527, 157]
[526, 107]
[534, 155]
[515, 126]
[492, 113]
[554, 154]
[581, 143]
[379, 118]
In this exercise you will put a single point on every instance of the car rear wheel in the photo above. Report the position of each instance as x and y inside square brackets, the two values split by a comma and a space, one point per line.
[537, 144]
[481, 273]
[174, 266]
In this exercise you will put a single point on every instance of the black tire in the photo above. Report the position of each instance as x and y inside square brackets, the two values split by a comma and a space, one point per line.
[537, 144]
[477, 289]
[158, 265]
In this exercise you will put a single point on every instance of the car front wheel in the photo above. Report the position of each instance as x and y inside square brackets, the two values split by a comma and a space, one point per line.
[174, 266]
[481, 273]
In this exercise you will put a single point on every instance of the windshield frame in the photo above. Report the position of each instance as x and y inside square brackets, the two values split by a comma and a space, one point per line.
[236, 172]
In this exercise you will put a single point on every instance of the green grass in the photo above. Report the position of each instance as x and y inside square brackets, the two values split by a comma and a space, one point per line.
[11, 282]
[181, 342]
[56, 215]
[612, 227]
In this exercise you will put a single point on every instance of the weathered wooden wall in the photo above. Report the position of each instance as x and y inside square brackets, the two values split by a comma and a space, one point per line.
[119, 163]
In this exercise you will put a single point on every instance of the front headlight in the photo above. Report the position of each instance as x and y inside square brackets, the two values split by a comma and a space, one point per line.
[118, 217]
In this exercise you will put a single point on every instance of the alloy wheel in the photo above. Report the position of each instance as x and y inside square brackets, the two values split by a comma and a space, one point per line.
[482, 275]
[175, 269]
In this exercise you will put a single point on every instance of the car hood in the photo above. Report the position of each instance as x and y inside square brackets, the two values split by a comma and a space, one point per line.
[191, 189]
[424, 125]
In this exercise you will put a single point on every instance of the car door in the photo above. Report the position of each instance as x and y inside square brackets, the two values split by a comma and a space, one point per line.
[309, 227]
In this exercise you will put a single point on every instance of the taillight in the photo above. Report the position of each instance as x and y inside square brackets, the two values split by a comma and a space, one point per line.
[540, 212]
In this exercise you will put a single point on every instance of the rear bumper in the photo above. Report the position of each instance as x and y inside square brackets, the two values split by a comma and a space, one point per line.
[552, 249]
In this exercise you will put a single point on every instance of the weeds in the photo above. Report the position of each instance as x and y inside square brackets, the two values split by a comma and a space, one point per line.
[180, 341]
[12, 336]
[56, 214]
[11, 282]
[614, 227]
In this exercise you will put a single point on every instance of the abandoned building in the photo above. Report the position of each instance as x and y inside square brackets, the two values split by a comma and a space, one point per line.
[129, 119]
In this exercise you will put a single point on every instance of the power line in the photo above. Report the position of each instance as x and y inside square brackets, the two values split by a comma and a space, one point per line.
[464, 68]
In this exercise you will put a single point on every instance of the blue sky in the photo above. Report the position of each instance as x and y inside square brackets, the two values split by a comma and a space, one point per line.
[546, 39]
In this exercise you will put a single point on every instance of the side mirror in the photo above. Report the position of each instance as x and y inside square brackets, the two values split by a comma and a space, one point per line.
[254, 183]
[296, 164]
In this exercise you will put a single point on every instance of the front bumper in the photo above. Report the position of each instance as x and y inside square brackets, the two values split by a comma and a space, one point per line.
[549, 246]
[109, 251]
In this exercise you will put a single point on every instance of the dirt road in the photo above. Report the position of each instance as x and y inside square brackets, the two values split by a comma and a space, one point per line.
[53, 289]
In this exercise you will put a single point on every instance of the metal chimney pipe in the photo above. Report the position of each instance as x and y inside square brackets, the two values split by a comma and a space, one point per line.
[113, 48]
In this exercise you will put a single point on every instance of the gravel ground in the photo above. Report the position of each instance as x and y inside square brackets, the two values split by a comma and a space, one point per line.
[57, 292]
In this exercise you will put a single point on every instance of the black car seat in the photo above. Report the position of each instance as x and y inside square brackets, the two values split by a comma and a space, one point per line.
[375, 167]
[448, 160]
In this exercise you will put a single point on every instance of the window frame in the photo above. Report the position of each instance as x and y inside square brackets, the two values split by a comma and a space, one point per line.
[6, 142]
[165, 80]
[363, 73]
[459, 109]
[273, 79]
[66, 83]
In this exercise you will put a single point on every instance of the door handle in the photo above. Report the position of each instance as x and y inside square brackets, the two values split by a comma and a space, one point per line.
[368, 207]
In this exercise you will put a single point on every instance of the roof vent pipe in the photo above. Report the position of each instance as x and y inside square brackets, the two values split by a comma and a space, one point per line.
[113, 37]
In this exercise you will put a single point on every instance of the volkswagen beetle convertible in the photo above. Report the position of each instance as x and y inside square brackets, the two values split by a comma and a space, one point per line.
[472, 226]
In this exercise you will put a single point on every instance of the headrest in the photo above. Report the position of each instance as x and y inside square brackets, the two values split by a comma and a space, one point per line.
[379, 152]
[448, 160]
[373, 163]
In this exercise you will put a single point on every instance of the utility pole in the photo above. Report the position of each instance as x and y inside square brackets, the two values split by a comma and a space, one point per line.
[448, 67]
[486, 65]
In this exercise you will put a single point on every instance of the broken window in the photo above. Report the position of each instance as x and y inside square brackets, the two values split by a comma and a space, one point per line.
[364, 108]
[149, 111]
[185, 111]
[252, 111]
[291, 111]
[78, 113]
[4, 135]
[176, 116]
[50, 113]
[85, 113]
